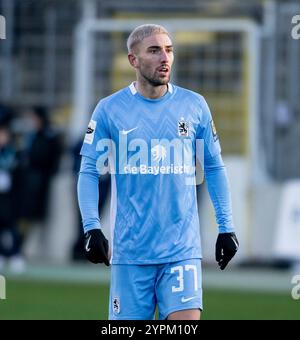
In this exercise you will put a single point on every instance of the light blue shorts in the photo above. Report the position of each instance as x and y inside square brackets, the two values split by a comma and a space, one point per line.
[136, 290]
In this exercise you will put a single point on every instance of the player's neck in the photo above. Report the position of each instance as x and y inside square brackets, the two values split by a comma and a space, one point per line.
[149, 91]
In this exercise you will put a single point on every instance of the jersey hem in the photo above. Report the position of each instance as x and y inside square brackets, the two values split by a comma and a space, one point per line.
[152, 262]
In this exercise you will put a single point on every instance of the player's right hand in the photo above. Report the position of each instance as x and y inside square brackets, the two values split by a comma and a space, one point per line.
[96, 247]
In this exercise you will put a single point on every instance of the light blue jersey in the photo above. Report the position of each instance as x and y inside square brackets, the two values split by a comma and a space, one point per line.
[150, 147]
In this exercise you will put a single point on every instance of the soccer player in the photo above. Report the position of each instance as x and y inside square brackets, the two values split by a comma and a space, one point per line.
[146, 135]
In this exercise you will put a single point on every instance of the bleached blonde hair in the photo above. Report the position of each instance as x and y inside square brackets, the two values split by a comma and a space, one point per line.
[142, 32]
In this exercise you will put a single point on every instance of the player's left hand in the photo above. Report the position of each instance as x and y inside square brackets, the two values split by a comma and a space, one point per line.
[226, 247]
[96, 247]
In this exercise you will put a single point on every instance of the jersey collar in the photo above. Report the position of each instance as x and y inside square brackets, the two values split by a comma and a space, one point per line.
[134, 91]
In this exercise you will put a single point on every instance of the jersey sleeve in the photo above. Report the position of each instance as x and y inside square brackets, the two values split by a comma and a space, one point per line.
[219, 191]
[98, 129]
[207, 132]
[88, 194]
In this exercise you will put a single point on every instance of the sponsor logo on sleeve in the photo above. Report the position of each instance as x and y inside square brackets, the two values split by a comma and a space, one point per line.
[214, 130]
[90, 133]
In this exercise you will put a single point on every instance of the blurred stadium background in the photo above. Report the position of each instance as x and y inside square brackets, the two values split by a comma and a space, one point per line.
[60, 57]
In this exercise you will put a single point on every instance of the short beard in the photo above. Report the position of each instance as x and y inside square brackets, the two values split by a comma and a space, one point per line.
[155, 81]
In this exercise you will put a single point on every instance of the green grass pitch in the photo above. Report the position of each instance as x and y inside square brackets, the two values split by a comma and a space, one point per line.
[55, 300]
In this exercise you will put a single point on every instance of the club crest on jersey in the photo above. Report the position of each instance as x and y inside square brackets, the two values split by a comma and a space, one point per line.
[183, 128]
[116, 305]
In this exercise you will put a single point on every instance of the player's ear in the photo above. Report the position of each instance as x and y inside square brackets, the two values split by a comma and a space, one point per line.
[133, 60]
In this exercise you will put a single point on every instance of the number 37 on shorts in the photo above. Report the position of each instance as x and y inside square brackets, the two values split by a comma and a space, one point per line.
[186, 283]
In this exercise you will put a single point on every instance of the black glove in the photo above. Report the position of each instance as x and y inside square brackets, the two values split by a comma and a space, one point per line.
[226, 247]
[96, 247]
